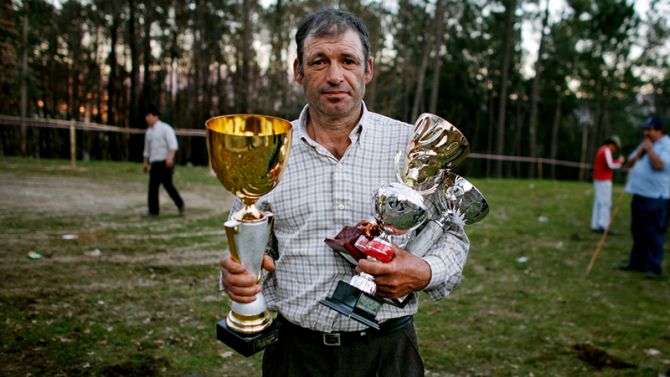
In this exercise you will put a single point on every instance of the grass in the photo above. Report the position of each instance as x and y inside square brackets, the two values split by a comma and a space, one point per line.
[148, 305]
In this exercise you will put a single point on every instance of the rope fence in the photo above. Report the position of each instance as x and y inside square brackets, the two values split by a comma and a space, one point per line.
[6, 120]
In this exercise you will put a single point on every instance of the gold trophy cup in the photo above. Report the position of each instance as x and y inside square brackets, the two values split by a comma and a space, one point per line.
[248, 154]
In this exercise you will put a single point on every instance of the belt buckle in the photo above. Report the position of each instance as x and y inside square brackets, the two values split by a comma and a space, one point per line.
[332, 339]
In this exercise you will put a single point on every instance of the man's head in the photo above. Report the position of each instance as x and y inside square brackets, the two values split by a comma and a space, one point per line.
[330, 22]
[614, 142]
[653, 128]
[334, 65]
[151, 115]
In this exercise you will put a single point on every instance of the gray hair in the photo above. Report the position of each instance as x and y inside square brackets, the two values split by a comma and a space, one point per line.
[331, 22]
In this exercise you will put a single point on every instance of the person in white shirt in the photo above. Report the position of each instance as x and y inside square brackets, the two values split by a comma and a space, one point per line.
[160, 147]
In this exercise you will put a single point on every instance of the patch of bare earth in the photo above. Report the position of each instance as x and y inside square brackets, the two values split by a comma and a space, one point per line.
[35, 193]
[41, 195]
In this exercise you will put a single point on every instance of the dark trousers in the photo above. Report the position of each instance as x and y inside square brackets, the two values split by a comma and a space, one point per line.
[649, 220]
[393, 354]
[161, 174]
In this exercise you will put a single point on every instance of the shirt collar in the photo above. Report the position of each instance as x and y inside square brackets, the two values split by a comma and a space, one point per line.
[355, 134]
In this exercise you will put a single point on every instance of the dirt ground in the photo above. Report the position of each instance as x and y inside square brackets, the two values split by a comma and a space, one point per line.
[38, 193]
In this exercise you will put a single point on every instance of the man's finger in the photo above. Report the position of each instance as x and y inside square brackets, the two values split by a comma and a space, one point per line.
[268, 263]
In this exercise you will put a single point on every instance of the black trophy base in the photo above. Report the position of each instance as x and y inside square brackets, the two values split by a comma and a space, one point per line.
[355, 304]
[247, 344]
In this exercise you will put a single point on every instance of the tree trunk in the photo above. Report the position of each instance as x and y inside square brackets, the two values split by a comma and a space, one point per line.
[535, 96]
[508, 43]
[134, 120]
[437, 61]
[111, 84]
[555, 126]
[24, 83]
[245, 80]
[421, 76]
[147, 92]
[584, 151]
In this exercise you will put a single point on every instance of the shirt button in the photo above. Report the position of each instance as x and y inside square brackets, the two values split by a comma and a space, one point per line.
[339, 166]
[341, 206]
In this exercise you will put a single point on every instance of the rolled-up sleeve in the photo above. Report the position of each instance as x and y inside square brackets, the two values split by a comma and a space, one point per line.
[446, 260]
[172, 140]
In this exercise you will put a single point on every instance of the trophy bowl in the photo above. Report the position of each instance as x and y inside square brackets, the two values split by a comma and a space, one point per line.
[399, 209]
[458, 193]
[436, 146]
[248, 154]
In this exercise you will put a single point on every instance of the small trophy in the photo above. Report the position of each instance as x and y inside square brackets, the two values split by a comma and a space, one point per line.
[399, 210]
[248, 154]
[436, 147]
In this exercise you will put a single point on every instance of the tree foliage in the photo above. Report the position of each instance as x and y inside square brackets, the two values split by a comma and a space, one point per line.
[602, 66]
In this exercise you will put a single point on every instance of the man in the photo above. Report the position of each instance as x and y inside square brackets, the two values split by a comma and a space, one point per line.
[649, 182]
[160, 146]
[341, 153]
[603, 170]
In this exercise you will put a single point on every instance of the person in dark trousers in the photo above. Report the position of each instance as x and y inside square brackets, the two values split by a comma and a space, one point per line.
[649, 182]
[160, 147]
[341, 153]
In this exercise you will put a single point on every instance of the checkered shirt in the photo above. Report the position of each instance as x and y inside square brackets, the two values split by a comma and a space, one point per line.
[316, 196]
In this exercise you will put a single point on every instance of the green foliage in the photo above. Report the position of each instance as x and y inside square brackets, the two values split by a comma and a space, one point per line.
[148, 304]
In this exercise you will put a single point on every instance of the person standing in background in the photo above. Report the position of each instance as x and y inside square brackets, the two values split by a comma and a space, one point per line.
[160, 147]
[649, 182]
[603, 170]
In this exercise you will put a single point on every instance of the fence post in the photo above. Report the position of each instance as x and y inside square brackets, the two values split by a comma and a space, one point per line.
[73, 146]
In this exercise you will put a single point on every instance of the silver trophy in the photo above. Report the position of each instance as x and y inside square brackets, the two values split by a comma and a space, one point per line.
[457, 202]
[398, 211]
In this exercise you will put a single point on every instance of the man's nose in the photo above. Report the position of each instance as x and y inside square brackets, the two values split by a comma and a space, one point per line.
[335, 73]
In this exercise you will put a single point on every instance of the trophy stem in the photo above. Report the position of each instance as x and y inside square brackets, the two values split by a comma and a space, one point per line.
[247, 242]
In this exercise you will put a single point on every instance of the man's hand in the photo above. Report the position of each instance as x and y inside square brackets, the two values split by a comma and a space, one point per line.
[406, 273]
[145, 167]
[169, 163]
[239, 284]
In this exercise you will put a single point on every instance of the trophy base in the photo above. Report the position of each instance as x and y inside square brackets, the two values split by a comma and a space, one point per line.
[355, 304]
[249, 324]
[247, 344]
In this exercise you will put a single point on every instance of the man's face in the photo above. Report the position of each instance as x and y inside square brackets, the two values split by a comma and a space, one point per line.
[151, 119]
[334, 73]
[652, 134]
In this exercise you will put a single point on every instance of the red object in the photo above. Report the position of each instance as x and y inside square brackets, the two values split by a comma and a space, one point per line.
[601, 171]
[361, 242]
[376, 248]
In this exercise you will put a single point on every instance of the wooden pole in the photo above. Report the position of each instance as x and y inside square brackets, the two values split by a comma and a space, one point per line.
[73, 146]
[601, 243]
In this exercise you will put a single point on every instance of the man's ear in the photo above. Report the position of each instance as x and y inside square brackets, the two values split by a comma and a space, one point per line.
[296, 72]
[369, 73]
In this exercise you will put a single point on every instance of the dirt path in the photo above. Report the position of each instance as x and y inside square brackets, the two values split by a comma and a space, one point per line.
[36, 193]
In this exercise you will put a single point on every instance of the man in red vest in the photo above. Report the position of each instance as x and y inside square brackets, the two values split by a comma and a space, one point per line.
[603, 169]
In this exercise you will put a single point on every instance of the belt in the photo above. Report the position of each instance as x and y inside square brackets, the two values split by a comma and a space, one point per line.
[343, 338]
